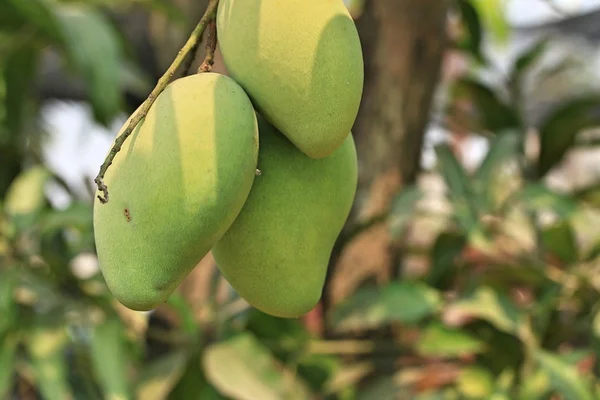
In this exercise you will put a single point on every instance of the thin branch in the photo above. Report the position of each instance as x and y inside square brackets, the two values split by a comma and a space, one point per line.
[211, 46]
[194, 38]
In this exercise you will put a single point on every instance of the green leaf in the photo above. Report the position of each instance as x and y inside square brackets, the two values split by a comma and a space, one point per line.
[475, 383]
[471, 42]
[494, 115]
[492, 13]
[459, 186]
[563, 376]
[374, 307]
[558, 132]
[78, 215]
[535, 387]
[244, 369]
[188, 321]
[93, 47]
[8, 311]
[26, 194]
[537, 197]
[438, 340]
[559, 239]
[492, 306]
[110, 358]
[382, 388]
[8, 351]
[194, 385]
[527, 58]
[19, 72]
[39, 13]
[444, 256]
[46, 347]
[402, 210]
[161, 376]
[503, 147]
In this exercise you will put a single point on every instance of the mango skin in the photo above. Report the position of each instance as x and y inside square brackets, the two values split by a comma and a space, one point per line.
[276, 253]
[177, 184]
[301, 63]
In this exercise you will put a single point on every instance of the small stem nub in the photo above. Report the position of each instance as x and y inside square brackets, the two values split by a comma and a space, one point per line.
[211, 46]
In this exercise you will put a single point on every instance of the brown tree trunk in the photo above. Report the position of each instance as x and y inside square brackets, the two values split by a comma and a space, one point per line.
[403, 44]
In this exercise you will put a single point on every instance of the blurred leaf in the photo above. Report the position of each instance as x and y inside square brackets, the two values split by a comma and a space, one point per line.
[476, 383]
[444, 255]
[471, 42]
[8, 351]
[563, 377]
[19, 72]
[537, 197]
[374, 307]
[319, 369]
[492, 306]
[402, 210]
[459, 186]
[193, 384]
[159, 377]
[492, 13]
[383, 388]
[589, 195]
[39, 13]
[559, 239]
[26, 194]
[535, 387]
[93, 47]
[527, 58]
[110, 359]
[503, 147]
[188, 321]
[289, 334]
[438, 340]
[8, 282]
[559, 130]
[493, 114]
[244, 369]
[46, 347]
[78, 215]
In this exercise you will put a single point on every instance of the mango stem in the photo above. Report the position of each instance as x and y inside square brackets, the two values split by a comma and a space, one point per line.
[164, 80]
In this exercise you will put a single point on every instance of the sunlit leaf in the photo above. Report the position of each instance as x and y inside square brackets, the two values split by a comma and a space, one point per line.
[492, 306]
[373, 307]
[110, 359]
[244, 369]
[558, 131]
[26, 195]
[475, 383]
[46, 346]
[535, 387]
[159, 377]
[438, 340]
[493, 15]
[93, 47]
[8, 350]
[563, 377]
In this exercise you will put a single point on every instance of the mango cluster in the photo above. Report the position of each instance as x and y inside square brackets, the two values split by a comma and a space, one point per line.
[258, 166]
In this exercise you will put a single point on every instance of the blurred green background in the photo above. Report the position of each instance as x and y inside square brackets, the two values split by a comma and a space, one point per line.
[469, 268]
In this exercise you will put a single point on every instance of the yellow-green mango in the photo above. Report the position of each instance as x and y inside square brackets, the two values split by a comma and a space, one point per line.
[301, 63]
[276, 253]
[177, 184]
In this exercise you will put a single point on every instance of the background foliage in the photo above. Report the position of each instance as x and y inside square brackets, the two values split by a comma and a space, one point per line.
[502, 304]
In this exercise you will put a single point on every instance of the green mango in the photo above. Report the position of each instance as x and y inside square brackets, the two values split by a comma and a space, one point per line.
[301, 63]
[177, 184]
[276, 253]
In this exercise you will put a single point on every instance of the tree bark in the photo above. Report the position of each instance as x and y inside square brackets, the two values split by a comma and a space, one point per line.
[403, 45]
